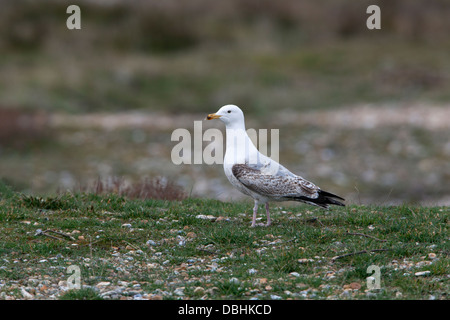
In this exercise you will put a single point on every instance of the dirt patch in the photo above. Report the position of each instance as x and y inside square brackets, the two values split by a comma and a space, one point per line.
[358, 117]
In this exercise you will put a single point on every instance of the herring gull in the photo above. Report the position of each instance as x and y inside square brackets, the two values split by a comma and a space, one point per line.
[260, 177]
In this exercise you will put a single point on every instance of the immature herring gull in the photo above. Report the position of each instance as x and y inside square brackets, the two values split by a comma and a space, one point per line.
[260, 177]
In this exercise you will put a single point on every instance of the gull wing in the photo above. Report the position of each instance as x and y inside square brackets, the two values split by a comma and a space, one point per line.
[282, 187]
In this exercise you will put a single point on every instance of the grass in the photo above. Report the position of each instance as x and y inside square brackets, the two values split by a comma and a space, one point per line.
[224, 256]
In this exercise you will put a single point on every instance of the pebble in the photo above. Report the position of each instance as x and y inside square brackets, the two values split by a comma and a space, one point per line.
[422, 273]
[26, 294]
[346, 293]
[206, 217]
[103, 284]
[353, 286]
[262, 281]
[212, 290]
[179, 291]
[199, 291]
[275, 297]
[432, 256]
[305, 260]
[252, 271]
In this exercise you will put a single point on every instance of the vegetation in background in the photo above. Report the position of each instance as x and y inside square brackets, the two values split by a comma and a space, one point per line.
[171, 56]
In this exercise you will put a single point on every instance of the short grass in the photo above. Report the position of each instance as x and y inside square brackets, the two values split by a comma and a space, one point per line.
[293, 258]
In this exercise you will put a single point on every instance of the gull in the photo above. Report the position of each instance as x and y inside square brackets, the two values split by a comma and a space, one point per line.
[259, 176]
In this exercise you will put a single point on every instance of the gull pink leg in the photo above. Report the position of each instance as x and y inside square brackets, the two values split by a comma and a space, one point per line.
[255, 211]
[268, 215]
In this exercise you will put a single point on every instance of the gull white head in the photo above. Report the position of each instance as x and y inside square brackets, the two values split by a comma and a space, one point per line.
[231, 115]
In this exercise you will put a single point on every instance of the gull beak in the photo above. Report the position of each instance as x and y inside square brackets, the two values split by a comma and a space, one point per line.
[212, 116]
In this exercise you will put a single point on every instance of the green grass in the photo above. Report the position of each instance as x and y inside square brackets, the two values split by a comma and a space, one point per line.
[226, 257]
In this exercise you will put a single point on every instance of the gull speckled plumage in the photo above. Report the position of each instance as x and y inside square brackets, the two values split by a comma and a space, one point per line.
[260, 177]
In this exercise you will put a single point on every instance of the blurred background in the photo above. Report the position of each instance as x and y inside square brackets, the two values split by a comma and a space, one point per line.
[362, 113]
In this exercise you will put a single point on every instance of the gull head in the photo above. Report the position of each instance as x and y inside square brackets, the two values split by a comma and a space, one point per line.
[230, 114]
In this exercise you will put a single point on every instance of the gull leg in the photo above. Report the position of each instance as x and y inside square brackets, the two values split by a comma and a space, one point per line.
[268, 215]
[255, 211]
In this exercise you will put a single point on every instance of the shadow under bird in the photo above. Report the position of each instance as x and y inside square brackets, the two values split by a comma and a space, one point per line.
[260, 177]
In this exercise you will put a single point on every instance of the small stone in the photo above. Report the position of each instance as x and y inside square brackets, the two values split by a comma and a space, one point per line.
[252, 271]
[346, 293]
[62, 283]
[199, 291]
[191, 235]
[212, 290]
[305, 260]
[26, 294]
[103, 284]
[206, 217]
[355, 286]
[151, 243]
[126, 225]
[295, 274]
[234, 281]
[432, 256]
[275, 297]
[422, 273]
[179, 291]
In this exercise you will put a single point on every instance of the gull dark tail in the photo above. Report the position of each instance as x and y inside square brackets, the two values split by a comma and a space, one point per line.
[323, 200]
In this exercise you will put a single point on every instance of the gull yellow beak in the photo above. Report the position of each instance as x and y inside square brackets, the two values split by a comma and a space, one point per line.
[212, 116]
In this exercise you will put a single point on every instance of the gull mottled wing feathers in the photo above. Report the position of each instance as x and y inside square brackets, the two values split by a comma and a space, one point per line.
[283, 187]
[274, 186]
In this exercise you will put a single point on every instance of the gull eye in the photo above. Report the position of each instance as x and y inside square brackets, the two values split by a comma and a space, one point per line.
[229, 111]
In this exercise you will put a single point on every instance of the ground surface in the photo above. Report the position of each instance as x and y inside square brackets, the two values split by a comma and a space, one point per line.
[205, 249]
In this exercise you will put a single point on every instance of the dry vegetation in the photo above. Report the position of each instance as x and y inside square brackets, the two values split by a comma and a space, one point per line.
[21, 129]
[156, 188]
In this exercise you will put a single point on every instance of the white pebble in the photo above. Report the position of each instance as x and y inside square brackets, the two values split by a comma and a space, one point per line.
[252, 271]
[179, 291]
